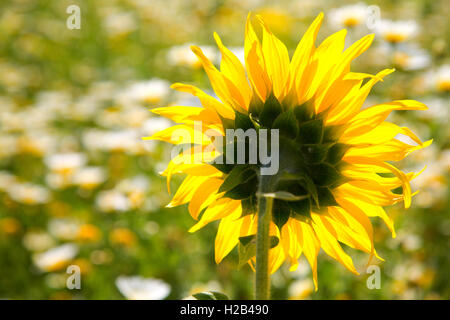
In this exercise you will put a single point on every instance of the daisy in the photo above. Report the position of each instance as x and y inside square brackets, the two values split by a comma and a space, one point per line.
[139, 288]
[397, 31]
[349, 16]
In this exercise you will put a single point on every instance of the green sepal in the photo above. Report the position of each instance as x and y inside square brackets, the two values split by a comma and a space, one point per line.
[311, 132]
[307, 183]
[238, 175]
[304, 112]
[336, 152]
[332, 133]
[242, 121]
[271, 110]
[249, 206]
[287, 124]
[256, 105]
[301, 207]
[243, 190]
[315, 153]
[326, 198]
[226, 123]
[324, 174]
[225, 168]
[280, 213]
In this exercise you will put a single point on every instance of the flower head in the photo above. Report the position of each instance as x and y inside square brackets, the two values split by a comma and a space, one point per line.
[397, 31]
[333, 172]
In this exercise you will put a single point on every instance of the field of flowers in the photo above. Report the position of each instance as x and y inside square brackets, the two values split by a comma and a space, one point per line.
[79, 186]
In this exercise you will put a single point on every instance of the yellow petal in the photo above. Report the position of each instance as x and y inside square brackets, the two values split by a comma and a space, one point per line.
[181, 134]
[327, 237]
[221, 208]
[186, 190]
[224, 88]
[207, 194]
[206, 100]
[232, 68]
[182, 114]
[254, 62]
[399, 174]
[227, 236]
[373, 116]
[276, 58]
[311, 247]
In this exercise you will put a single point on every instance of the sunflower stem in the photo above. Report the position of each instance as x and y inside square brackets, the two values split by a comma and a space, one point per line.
[265, 204]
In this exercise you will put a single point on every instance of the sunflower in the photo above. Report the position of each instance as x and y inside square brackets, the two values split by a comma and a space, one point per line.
[334, 171]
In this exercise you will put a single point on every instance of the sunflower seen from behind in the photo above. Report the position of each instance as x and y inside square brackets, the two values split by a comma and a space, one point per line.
[335, 170]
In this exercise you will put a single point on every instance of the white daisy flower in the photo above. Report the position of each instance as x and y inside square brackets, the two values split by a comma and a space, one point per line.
[139, 288]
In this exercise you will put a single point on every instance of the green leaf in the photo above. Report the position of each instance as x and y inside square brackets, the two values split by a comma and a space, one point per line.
[239, 174]
[287, 124]
[203, 296]
[247, 247]
[219, 295]
[324, 174]
[210, 295]
[271, 110]
[310, 132]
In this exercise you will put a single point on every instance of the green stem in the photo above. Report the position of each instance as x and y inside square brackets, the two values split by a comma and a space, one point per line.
[262, 277]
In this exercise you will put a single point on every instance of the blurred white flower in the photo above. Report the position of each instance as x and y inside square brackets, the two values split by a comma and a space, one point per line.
[139, 288]
[439, 79]
[64, 229]
[123, 140]
[37, 241]
[112, 201]
[6, 180]
[134, 117]
[437, 110]
[28, 193]
[89, 177]
[55, 258]
[8, 146]
[135, 189]
[182, 55]
[152, 91]
[37, 143]
[349, 16]
[397, 31]
[301, 289]
[65, 163]
[119, 23]
[432, 185]
[411, 58]
[155, 124]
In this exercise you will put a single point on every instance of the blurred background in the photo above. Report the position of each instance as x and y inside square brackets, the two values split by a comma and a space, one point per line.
[78, 186]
